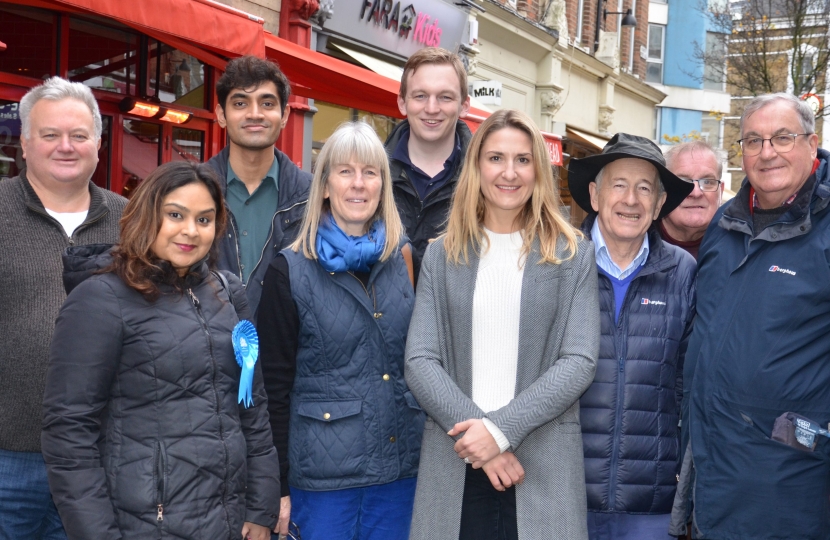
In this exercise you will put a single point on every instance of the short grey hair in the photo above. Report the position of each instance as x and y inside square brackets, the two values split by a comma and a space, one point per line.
[660, 188]
[56, 89]
[675, 151]
[805, 113]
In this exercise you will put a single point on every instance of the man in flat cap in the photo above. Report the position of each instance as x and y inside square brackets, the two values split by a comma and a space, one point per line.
[631, 411]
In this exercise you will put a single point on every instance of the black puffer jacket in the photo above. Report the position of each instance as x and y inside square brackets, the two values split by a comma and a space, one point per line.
[142, 434]
[630, 412]
[423, 220]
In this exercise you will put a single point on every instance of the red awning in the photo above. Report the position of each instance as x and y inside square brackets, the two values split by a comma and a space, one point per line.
[203, 23]
[317, 76]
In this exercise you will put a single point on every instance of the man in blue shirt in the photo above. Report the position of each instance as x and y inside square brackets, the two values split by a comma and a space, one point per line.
[426, 151]
[265, 191]
[630, 412]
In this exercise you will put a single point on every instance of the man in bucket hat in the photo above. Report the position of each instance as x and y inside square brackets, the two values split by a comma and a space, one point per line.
[630, 413]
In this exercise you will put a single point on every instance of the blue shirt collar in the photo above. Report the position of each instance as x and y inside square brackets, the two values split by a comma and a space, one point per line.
[604, 260]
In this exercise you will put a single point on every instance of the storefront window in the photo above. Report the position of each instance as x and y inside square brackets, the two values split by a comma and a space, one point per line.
[141, 153]
[329, 116]
[188, 145]
[28, 35]
[178, 76]
[103, 58]
[11, 155]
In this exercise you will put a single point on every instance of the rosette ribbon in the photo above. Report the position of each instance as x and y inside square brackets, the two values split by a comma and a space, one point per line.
[246, 348]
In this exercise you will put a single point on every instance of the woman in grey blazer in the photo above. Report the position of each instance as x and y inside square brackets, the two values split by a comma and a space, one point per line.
[503, 341]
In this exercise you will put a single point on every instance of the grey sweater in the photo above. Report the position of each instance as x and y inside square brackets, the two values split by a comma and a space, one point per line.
[31, 294]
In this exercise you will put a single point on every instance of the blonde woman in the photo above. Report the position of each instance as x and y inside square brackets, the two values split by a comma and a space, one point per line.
[334, 314]
[503, 341]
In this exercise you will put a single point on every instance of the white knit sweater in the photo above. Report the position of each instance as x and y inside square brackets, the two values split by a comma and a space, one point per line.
[496, 307]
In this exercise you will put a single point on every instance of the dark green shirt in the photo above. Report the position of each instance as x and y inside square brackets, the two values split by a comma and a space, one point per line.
[254, 215]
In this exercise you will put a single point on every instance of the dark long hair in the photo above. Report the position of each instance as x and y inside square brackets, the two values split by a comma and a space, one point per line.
[133, 259]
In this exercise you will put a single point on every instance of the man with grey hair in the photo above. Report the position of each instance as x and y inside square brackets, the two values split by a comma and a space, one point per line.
[757, 377]
[50, 206]
[697, 163]
[630, 412]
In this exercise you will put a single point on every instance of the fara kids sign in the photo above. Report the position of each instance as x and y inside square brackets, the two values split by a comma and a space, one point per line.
[400, 27]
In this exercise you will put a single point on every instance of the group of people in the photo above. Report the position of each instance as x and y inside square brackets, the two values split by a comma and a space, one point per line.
[239, 349]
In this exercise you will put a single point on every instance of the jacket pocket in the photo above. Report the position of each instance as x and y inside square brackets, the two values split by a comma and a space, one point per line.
[160, 479]
[328, 440]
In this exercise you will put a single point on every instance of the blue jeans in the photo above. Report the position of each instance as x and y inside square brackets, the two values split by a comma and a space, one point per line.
[26, 507]
[381, 512]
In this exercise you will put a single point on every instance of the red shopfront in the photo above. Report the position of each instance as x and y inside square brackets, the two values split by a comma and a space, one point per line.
[141, 52]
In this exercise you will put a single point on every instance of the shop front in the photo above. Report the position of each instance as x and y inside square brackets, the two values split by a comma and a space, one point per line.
[154, 77]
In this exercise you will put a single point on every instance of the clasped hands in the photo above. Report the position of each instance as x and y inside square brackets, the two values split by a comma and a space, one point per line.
[480, 449]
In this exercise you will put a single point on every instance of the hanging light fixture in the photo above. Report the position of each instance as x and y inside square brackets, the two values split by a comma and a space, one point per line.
[149, 109]
[132, 106]
[176, 117]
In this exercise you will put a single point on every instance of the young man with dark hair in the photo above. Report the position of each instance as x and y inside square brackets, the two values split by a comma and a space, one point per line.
[426, 151]
[265, 191]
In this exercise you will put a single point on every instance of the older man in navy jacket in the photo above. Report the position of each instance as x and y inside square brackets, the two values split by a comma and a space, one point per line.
[630, 413]
[761, 343]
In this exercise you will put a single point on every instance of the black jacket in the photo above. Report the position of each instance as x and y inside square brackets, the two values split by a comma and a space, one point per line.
[630, 412]
[142, 433]
[294, 185]
[423, 220]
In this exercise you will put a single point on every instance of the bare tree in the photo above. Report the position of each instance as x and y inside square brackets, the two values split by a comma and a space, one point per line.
[762, 46]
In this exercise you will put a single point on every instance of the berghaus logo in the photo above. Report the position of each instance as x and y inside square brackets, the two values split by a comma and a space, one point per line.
[780, 270]
[647, 302]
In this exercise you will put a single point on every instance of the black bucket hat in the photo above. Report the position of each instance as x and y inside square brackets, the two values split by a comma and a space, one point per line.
[582, 172]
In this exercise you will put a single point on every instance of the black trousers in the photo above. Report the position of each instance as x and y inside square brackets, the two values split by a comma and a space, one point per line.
[487, 514]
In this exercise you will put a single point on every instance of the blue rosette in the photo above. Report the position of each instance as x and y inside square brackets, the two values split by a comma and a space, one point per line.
[246, 348]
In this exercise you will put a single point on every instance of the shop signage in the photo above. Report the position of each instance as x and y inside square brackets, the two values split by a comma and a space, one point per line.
[486, 92]
[400, 27]
[555, 150]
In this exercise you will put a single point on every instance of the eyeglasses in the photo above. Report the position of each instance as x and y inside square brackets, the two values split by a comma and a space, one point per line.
[705, 184]
[752, 146]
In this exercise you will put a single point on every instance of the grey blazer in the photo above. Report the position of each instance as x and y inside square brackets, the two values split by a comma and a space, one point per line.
[558, 347]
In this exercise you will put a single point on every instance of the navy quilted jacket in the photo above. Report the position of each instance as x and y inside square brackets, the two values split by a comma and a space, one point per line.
[630, 413]
[142, 434]
[353, 421]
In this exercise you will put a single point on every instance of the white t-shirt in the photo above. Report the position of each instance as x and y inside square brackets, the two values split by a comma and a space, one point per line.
[69, 220]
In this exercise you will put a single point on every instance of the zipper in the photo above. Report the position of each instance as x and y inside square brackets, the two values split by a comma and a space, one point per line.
[236, 245]
[371, 296]
[621, 350]
[197, 306]
[161, 472]
[270, 236]
[80, 227]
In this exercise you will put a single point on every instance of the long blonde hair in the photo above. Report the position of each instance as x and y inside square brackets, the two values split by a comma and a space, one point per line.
[540, 217]
[351, 141]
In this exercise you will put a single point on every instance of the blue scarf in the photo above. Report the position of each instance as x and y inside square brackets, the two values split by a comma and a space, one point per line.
[339, 252]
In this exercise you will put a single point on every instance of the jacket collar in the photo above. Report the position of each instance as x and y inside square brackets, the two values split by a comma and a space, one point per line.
[796, 221]
[291, 191]
[97, 205]
[659, 257]
[462, 133]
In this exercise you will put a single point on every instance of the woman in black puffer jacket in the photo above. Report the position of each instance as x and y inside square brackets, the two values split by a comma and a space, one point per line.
[142, 433]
